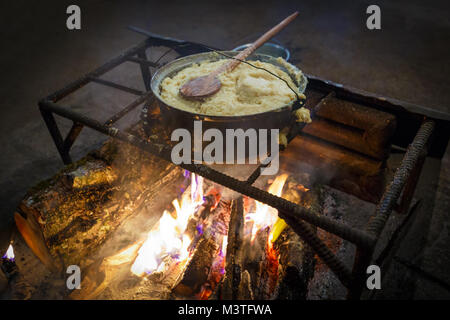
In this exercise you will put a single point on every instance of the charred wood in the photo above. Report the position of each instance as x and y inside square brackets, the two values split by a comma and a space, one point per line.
[233, 269]
[296, 266]
[196, 273]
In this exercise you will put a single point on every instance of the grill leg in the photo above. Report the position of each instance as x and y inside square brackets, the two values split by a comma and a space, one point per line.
[411, 184]
[72, 136]
[146, 74]
[56, 135]
[362, 261]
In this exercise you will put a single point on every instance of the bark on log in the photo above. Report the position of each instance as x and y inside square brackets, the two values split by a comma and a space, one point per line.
[74, 219]
[245, 291]
[296, 266]
[200, 271]
[233, 268]
[196, 273]
[90, 174]
[260, 265]
[296, 259]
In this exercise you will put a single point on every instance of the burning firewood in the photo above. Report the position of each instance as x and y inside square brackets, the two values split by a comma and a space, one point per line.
[296, 266]
[233, 269]
[272, 256]
[260, 266]
[296, 259]
[204, 265]
[245, 291]
[155, 268]
[197, 270]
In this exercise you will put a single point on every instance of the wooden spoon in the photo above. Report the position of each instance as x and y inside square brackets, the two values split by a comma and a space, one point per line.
[205, 86]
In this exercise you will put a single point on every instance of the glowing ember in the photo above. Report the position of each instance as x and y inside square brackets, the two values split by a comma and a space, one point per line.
[168, 238]
[302, 188]
[264, 215]
[9, 253]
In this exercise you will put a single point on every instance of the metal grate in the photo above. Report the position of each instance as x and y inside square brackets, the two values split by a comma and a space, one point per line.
[299, 218]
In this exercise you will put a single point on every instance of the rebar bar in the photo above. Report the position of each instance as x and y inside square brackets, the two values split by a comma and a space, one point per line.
[328, 257]
[97, 72]
[393, 191]
[356, 236]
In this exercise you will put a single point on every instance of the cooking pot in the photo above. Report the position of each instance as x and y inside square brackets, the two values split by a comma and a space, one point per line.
[174, 118]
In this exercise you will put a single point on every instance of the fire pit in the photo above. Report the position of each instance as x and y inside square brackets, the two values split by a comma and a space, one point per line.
[140, 227]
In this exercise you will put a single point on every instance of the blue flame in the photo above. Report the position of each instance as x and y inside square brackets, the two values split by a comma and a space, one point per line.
[200, 229]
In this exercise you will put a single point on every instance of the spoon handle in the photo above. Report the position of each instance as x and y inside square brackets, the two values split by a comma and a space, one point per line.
[229, 66]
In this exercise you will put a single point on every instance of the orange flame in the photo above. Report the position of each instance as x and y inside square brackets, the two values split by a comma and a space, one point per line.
[168, 237]
[302, 188]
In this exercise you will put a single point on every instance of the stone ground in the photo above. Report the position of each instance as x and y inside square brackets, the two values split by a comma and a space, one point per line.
[407, 59]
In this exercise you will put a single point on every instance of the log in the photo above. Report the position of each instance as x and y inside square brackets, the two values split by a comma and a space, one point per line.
[202, 270]
[196, 273]
[91, 174]
[377, 124]
[346, 143]
[296, 259]
[261, 267]
[296, 266]
[326, 155]
[245, 291]
[341, 168]
[254, 270]
[34, 239]
[351, 125]
[362, 141]
[76, 210]
[111, 277]
[233, 267]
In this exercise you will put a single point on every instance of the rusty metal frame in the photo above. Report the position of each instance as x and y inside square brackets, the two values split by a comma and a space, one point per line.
[299, 218]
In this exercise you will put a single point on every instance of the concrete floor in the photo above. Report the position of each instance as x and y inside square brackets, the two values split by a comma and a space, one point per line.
[408, 59]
